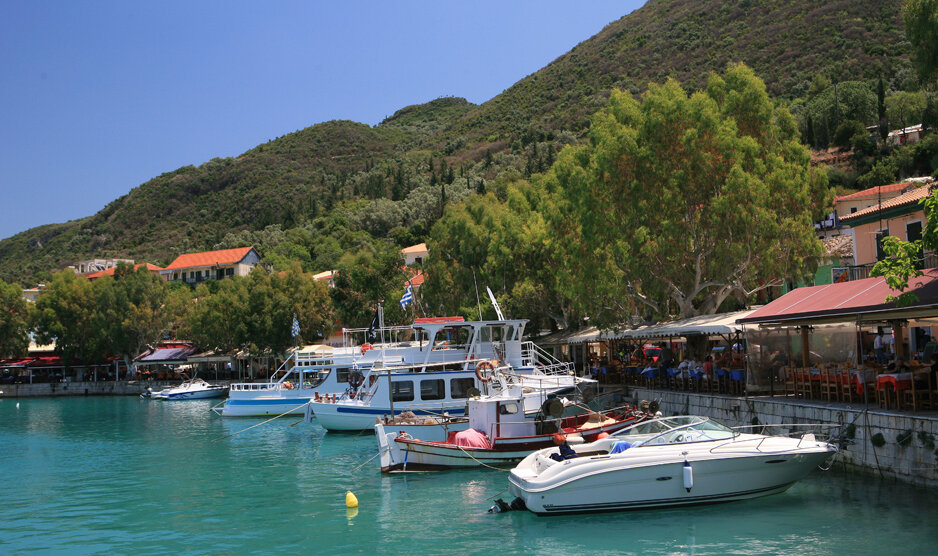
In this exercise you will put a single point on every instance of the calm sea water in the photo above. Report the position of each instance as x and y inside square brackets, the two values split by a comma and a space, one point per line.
[130, 476]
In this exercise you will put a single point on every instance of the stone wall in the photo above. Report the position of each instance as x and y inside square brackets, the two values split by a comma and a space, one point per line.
[102, 388]
[907, 450]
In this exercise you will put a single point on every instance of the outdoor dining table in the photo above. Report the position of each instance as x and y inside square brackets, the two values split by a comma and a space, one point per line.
[860, 377]
[898, 381]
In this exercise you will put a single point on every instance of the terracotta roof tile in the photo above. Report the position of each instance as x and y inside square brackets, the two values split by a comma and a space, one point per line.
[906, 198]
[209, 258]
[874, 192]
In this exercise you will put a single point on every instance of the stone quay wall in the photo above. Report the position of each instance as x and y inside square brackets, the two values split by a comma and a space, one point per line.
[100, 388]
[894, 445]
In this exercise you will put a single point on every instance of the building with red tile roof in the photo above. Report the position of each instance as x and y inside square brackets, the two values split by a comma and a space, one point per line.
[193, 268]
[901, 216]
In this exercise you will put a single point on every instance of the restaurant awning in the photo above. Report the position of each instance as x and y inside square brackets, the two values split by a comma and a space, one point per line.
[863, 300]
[702, 325]
[170, 355]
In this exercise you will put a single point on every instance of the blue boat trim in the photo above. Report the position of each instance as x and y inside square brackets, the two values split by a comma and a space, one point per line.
[385, 411]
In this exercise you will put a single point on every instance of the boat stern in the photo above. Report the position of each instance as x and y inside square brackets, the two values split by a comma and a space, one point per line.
[392, 456]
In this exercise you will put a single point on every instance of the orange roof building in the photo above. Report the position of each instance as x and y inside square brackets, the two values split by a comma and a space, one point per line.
[193, 268]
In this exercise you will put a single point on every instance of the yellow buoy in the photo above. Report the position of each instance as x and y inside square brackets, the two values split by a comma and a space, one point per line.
[350, 500]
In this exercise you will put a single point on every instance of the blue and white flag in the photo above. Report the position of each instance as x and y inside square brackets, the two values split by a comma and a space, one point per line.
[407, 297]
[295, 330]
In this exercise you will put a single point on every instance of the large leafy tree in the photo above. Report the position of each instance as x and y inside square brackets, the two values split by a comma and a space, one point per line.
[132, 310]
[256, 313]
[65, 314]
[371, 275]
[14, 321]
[681, 200]
[509, 246]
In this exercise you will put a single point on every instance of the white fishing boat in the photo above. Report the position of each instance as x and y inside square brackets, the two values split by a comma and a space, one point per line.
[665, 462]
[496, 433]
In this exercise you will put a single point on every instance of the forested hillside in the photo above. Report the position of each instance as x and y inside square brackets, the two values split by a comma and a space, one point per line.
[334, 187]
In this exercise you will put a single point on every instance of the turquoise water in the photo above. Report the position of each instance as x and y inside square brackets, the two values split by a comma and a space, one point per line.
[123, 476]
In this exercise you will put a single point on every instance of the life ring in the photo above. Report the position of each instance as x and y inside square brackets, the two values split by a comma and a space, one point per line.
[366, 347]
[484, 366]
[355, 379]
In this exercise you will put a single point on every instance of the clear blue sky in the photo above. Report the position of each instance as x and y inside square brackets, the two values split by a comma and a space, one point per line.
[97, 97]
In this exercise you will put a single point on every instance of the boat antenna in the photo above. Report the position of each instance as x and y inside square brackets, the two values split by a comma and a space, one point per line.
[478, 303]
[498, 310]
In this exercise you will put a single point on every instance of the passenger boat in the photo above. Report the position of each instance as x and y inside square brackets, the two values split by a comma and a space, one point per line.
[193, 389]
[665, 462]
[496, 433]
[455, 358]
[448, 347]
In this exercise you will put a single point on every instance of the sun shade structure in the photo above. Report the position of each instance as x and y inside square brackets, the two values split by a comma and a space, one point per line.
[858, 300]
[702, 325]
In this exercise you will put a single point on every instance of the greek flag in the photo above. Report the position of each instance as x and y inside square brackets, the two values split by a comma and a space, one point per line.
[407, 297]
[295, 330]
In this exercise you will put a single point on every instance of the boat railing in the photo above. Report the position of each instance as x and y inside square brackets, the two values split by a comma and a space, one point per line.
[790, 434]
[533, 355]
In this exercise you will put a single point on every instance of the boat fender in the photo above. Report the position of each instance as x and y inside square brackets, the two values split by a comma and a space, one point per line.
[688, 476]
[481, 367]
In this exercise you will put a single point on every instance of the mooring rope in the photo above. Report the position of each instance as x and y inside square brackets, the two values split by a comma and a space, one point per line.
[366, 461]
[217, 406]
[263, 422]
[482, 463]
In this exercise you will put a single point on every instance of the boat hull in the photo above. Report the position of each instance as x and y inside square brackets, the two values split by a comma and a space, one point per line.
[209, 393]
[256, 406]
[656, 485]
[422, 452]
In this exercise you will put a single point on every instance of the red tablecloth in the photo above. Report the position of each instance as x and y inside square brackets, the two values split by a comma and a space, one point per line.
[899, 381]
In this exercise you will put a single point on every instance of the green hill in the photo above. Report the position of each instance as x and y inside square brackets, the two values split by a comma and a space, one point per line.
[318, 178]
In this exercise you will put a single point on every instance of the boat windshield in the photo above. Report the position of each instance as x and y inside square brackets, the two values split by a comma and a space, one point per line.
[677, 430]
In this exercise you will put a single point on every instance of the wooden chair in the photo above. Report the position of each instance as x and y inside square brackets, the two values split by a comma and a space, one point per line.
[847, 387]
[829, 385]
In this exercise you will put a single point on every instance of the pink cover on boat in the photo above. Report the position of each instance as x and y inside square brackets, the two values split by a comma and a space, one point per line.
[472, 438]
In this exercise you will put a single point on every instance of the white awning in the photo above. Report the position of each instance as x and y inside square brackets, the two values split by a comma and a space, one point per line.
[706, 325]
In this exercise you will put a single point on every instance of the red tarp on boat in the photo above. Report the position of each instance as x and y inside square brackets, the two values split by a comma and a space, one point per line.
[471, 438]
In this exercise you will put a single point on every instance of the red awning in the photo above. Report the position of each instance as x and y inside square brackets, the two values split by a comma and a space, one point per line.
[844, 299]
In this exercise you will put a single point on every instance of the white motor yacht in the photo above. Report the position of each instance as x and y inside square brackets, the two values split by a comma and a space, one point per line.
[665, 462]
[193, 389]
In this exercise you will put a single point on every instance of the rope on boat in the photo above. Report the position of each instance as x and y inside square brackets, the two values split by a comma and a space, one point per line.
[263, 422]
[217, 406]
[482, 463]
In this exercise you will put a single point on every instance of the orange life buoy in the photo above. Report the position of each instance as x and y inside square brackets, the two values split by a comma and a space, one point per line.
[484, 366]
[355, 379]
[366, 347]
